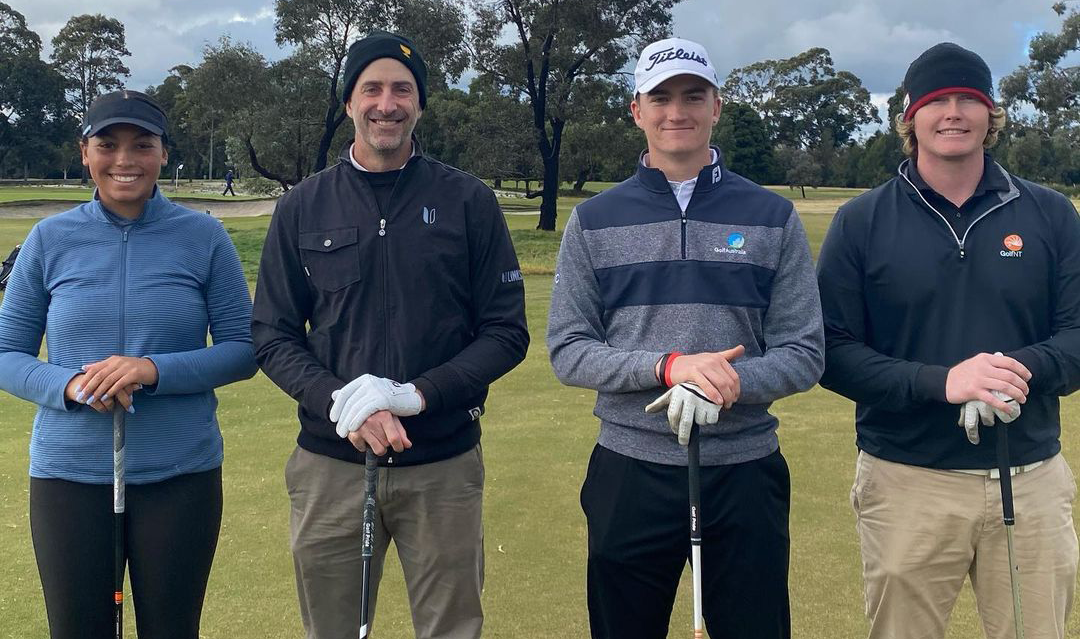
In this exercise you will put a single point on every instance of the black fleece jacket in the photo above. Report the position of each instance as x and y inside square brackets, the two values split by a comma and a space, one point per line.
[429, 293]
[905, 298]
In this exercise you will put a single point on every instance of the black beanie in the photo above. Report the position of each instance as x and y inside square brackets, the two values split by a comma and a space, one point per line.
[946, 68]
[382, 44]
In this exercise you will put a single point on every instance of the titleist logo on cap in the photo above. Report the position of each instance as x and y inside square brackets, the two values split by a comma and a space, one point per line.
[674, 54]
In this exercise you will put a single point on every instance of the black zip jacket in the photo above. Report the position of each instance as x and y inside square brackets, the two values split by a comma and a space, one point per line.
[905, 298]
[429, 293]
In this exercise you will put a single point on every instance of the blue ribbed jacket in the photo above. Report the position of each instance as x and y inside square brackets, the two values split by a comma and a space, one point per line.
[95, 285]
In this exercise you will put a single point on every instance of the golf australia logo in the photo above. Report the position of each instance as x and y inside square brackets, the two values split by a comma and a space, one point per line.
[1014, 246]
[429, 215]
[735, 244]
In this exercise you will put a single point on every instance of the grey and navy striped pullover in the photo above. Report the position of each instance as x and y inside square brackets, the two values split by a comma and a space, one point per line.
[637, 277]
[97, 285]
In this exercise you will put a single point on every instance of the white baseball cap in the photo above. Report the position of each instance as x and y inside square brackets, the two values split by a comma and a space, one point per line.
[668, 58]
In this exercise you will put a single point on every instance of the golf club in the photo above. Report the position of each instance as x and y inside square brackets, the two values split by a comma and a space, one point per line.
[694, 471]
[7, 265]
[371, 476]
[1005, 479]
[118, 517]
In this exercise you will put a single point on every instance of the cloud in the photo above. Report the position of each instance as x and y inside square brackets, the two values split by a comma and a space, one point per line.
[160, 34]
[875, 39]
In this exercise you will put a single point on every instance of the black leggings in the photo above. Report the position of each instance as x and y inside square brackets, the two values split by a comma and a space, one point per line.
[171, 530]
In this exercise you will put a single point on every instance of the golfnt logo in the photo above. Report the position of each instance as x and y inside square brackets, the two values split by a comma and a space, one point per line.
[1014, 246]
[735, 244]
[428, 215]
[674, 54]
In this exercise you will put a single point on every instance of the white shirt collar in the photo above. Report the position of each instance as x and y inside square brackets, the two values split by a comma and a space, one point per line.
[361, 167]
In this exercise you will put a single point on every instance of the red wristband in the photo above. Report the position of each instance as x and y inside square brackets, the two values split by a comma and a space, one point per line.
[666, 373]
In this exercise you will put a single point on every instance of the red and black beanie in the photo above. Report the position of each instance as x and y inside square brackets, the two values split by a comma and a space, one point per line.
[946, 68]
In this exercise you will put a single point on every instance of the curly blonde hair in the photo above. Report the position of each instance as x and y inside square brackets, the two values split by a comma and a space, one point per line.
[906, 130]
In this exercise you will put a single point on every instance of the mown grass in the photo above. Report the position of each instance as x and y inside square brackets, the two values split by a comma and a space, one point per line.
[35, 193]
[537, 438]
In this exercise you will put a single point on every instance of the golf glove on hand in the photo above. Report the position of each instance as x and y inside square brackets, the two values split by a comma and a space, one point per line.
[686, 405]
[975, 411]
[362, 397]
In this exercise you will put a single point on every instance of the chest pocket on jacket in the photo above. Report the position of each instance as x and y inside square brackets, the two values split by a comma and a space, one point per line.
[331, 258]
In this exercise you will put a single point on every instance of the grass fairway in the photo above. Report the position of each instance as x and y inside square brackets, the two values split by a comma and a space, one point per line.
[10, 194]
[538, 436]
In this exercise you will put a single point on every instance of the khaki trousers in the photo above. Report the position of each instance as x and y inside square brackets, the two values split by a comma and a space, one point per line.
[433, 514]
[923, 531]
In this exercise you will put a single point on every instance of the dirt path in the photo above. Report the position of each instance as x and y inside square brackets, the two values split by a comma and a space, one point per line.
[217, 208]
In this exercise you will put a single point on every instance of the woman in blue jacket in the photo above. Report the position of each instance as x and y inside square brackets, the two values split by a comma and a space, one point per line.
[124, 289]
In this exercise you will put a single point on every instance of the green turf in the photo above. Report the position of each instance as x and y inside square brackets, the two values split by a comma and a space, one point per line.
[23, 194]
[537, 438]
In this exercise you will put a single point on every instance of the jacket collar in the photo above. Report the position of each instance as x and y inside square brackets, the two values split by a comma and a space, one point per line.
[345, 156]
[155, 208]
[708, 178]
[994, 178]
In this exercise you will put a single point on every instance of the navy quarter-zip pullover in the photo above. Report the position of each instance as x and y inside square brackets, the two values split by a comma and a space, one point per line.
[906, 296]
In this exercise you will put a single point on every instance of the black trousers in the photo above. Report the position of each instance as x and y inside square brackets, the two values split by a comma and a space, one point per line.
[639, 542]
[171, 531]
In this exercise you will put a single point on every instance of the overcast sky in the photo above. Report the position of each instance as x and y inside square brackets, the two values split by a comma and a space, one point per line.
[876, 40]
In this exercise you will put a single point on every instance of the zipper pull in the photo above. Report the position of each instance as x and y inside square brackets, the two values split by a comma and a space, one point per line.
[125, 235]
[962, 253]
[382, 227]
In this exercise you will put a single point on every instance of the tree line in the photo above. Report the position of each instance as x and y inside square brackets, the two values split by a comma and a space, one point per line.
[546, 106]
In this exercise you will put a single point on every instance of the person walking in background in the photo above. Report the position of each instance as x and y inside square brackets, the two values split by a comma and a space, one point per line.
[125, 288]
[228, 183]
[389, 298]
[955, 288]
[691, 278]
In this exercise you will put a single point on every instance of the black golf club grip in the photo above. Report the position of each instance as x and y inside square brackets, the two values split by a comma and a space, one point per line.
[694, 470]
[371, 479]
[1005, 476]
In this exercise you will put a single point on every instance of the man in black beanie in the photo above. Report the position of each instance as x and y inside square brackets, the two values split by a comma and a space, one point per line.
[951, 297]
[389, 298]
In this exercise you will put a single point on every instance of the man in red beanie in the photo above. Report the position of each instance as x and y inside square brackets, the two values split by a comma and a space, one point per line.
[954, 290]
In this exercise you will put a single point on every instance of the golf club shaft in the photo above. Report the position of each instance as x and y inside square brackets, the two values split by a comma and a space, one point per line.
[371, 478]
[1009, 519]
[118, 518]
[694, 472]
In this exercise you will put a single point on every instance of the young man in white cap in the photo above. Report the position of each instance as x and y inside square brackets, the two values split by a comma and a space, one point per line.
[690, 278]
[954, 288]
[397, 272]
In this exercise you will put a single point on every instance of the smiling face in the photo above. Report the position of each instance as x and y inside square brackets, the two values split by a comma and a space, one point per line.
[125, 161]
[677, 117]
[384, 107]
[952, 127]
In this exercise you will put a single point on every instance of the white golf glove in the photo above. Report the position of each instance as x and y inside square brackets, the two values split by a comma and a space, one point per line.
[975, 411]
[686, 405]
[362, 397]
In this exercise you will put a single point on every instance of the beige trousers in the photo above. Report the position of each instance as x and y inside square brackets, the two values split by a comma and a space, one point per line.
[433, 514]
[923, 531]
